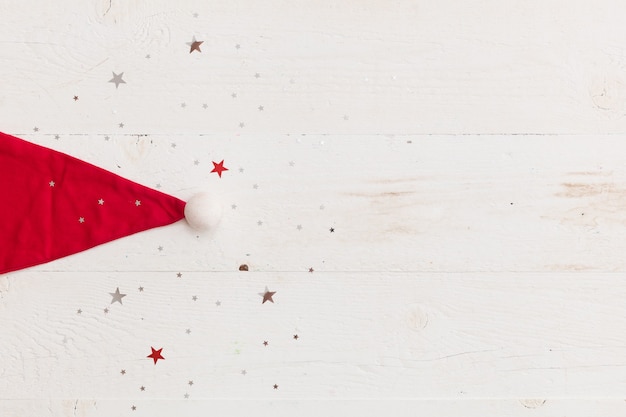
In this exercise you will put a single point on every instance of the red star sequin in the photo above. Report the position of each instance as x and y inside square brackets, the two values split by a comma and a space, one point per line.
[155, 355]
[219, 168]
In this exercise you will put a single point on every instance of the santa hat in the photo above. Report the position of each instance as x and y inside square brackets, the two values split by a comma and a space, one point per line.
[54, 205]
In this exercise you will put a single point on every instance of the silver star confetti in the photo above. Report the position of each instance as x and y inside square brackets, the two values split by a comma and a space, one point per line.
[117, 79]
[117, 296]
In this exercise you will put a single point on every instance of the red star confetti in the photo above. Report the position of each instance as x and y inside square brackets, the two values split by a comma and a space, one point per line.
[219, 168]
[155, 355]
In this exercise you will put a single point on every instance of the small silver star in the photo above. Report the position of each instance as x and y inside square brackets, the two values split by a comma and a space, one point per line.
[142, 388]
[196, 162]
[137, 203]
[183, 105]
[121, 125]
[133, 408]
[322, 207]
[205, 106]
[257, 75]
[179, 275]
[81, 220]
[140, 289]
[101, 202]
[255, 186]
[57, 137]
[237, 46]
[158, 186]
[173, 145]
[51, 183]
[35, 129]
[106, 138]
[190, 383]
[117, 296]
[195, 14]
[299, 227]
[123, 372]
[345, 117]
[291, 163]
[194, 298]
[241, 170]
[106, 311]
[242, 124]
[243, 372]
[148, 56]
[160, 248]
[260, 223]
[117, 79]
[218, 303]
[234, 206]
[79, 311]
[186, 395]
[261, 108]
[188, 331]
[234, 95]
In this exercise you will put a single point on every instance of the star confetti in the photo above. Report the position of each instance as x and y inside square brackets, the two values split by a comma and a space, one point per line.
[194, 45]
[117, 296]
[117, 79]
[267, 295]
[155, 355]
[219, 168]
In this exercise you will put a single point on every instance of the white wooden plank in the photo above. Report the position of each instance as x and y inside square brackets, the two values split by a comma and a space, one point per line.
[324, 67]
[412, 203]
[361, 335]
[397, 407]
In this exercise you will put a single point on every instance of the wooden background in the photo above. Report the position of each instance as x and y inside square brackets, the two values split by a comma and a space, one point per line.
[468, 155]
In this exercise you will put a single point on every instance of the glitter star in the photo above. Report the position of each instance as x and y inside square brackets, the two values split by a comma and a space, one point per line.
[265, 343]
[179, 275]
[117, 79]
[311, 270]
[155, 355]
[81, 220]
[243, 372]
[219, 168]
[140, 289]
[190, 383]
[142, 388]
[123, 372]
[79, 311]
[51, 183]
[117, 296]
[194, 298]
[121, 125]
[137, 203]
[101, 202]
[275, 386]
[218, 303]
[267, 295]
[75, 98]
[194, 45]
[295, 336]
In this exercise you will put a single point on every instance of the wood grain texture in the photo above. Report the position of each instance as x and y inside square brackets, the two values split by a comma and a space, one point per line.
[394, 67]
[468, 157]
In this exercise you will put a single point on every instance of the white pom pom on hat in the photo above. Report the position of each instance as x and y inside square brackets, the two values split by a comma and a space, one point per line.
[203, 211]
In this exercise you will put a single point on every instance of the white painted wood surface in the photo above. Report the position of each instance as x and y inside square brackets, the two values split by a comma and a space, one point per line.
[470, 158]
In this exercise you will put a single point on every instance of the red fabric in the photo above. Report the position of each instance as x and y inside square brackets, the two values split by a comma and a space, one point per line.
[44, 194]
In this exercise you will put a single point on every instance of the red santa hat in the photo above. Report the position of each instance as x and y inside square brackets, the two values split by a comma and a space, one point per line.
[54, 205]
